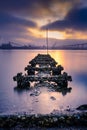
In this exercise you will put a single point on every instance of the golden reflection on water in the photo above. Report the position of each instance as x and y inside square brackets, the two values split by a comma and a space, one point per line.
[70, 59]
[74, 63]
[58, 56]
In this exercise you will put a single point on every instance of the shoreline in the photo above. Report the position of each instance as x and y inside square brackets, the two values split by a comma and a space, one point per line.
[78, 119]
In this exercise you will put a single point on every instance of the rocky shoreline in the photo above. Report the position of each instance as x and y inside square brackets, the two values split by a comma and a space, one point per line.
[78, 119]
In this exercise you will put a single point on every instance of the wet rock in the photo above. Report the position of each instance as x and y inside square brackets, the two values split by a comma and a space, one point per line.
[82, 107]
[57, 70]
[62, 118]
[53, 98]
[48, 120]
[35, 93]
[23, 118]
[68, 109]
[22, 81]
[55, 119]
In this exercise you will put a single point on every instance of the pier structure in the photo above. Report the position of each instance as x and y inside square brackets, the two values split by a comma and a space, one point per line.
[43, 68]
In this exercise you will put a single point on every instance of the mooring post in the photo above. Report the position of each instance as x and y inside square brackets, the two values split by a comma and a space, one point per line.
[47, 39]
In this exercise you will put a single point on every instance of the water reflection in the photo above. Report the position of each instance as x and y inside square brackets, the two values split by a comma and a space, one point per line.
[37, 88]
[20, 90]
[12, 62]
[82, 78]
[64, 91]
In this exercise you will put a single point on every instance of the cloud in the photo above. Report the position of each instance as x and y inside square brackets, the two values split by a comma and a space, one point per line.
[6, 19]
[76, 19]
[18, 16]
[12, 27]
[22, 4]
[37, 8]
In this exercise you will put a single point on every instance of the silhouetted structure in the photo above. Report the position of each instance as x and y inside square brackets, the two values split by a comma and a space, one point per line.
[43, 68]
[11, 45]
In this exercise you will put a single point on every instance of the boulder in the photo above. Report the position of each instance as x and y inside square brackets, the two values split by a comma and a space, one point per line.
[82, 107]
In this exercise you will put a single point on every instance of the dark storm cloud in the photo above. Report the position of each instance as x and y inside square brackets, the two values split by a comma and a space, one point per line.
[18, 4]
[32, 7]
[78, 18]
[6, 19]
[11, 4]
[75, 19]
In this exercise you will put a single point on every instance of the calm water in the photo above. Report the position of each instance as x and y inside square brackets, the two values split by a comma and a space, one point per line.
[14, 61]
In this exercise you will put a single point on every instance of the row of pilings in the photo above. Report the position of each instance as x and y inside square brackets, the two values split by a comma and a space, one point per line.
[42, 64]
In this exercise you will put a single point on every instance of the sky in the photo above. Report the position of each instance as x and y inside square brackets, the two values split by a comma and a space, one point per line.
[26, 21]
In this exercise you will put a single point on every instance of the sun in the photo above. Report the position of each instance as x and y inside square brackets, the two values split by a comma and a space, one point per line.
[42, 33]
[55, 35]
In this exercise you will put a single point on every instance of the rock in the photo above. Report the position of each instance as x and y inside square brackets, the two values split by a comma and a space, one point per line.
[55, 119]
[35, 93]
[82, 107]
[61, 118]
[57, 70]
[23, 118]
[53, 98]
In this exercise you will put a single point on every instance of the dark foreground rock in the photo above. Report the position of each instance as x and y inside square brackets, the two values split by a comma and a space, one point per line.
[39, 128]
[82, 107]
[48, 121]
